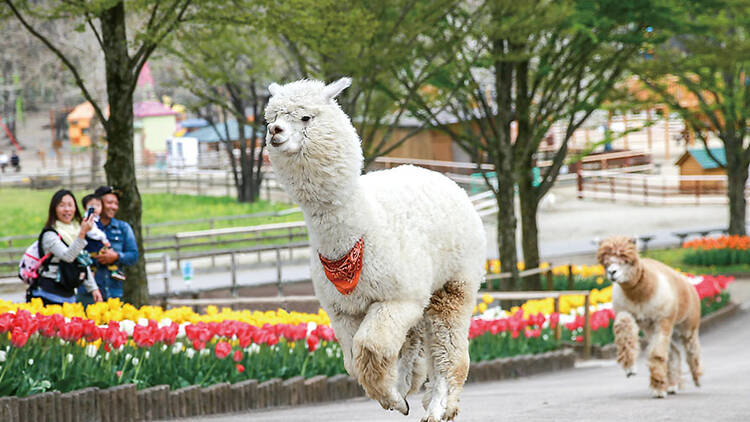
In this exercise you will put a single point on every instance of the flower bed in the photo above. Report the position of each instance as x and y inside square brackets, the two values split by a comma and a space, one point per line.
[64, 348]
[722, 250]
[585, 277]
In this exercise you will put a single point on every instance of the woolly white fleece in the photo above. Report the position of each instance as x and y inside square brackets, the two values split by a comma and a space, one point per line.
[420, 229]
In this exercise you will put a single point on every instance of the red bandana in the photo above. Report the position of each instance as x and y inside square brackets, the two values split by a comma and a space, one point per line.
[344, 272]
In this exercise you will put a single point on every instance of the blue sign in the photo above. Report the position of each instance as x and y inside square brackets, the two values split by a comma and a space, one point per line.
[187, 270]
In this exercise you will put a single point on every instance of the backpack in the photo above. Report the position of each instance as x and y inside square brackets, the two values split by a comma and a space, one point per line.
[30, 265]
[33, 263]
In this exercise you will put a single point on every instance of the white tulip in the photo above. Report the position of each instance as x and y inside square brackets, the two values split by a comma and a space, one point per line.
[31, 362]
[176, 348]
[91, 350]
[143, 322]
[166, 322]
[147, 354]
[2, 356]
[135, 361]
[181, 330]
[127, 326]
[190, 353]
[69, 357]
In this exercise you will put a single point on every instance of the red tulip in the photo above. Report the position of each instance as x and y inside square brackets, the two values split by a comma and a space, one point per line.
[240, 368]
[312, 342]
[237, 355]
[222, 349]
[19, 337]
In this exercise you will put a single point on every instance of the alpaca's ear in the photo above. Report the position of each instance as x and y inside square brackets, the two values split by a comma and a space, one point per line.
[334, 88]
[274, 88]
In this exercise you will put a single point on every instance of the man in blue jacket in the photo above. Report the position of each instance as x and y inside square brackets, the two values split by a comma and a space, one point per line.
[123, 249]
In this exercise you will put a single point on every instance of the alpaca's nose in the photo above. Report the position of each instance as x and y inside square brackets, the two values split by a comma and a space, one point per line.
[275, 129]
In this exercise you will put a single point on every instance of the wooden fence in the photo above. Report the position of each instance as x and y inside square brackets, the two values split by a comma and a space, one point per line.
[653, 189]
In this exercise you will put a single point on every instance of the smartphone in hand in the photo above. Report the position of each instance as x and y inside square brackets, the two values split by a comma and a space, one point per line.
[89, 212]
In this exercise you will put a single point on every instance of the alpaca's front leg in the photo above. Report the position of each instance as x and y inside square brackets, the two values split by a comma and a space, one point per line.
[658, 355]
[345, 326]
[376, 348]
[626, 338]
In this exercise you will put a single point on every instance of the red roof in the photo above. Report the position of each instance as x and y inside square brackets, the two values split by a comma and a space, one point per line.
[151, 108]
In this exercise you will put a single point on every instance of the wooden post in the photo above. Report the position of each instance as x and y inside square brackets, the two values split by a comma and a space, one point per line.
[666, 132]
[571, 283]
[579, 178]
[586, 328]
[227, 182]
[234, 274]
[625, 124]
[165, 266]
[278, 271]
[648, 128]
[177, 252]
[558, 329]
[213, 257]
[550, 279]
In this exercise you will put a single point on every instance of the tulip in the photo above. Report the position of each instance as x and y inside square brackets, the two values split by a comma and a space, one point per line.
[222, 349]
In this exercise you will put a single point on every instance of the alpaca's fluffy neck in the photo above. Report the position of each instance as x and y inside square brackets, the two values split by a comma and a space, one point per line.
[333, 203]
[642, 286]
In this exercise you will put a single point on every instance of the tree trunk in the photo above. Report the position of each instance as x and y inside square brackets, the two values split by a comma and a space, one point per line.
[737, 173]
[529, 230]
[120, 165]
[506, 224]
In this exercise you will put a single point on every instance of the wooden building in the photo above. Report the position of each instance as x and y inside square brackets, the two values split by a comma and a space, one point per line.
[697, 162]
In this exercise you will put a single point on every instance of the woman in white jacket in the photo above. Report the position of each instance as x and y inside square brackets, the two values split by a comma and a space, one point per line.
[64, 236]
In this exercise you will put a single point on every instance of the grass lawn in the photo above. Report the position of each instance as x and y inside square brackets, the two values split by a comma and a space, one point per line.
[24, 211]
[674, 258]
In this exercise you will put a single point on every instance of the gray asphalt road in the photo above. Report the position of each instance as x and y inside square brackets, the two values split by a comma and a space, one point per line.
[595, 391]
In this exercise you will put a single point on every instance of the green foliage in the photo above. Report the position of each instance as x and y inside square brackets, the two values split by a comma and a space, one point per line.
[390, 48]
[717, 257]
[676, 258]
[490, 346]
[49, 364]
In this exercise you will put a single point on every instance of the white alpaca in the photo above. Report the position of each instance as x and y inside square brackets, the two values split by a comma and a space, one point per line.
[413, 233]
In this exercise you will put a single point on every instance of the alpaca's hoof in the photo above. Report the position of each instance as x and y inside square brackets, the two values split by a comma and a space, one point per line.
[450, 413]
[400, 405]
[672, 390]
[630, 372]
[658, 394]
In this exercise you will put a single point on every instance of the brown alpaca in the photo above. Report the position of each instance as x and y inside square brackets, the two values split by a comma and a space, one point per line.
[649, 295]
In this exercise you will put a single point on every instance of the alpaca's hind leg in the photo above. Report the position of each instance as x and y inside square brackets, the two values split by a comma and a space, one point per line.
[657, 358]
[626, 340]
[674, 369]
[376, 348]
[449, 314]
[693, 352]
[412, 368]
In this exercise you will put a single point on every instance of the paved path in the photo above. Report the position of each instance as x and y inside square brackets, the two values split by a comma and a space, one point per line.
[596, 391]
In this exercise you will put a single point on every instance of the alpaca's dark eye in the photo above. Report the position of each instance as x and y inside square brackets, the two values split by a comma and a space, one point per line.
[305, 118]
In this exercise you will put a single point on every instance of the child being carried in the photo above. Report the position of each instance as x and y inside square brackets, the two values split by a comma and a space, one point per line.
[96, 239]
